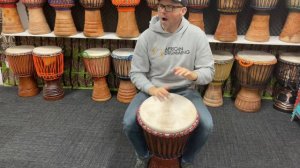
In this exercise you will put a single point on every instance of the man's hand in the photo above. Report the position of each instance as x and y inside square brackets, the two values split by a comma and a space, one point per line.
[161, 93]
[190, 75]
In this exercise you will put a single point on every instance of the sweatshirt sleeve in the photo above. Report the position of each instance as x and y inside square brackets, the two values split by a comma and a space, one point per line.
[204, 63]
[140, 66]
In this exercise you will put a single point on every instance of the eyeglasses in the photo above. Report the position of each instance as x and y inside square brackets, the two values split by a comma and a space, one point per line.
[168, 8]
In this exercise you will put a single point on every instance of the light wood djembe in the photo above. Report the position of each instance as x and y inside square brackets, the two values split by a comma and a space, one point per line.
[223, 63]
[167, 126]
[21, 62]
[259, 27]
[127, 25]
[64, 24]
[92, 18]
[49, 65]
[227, 29]
[254, 70]
[37, 21]
[11, 22]
[196, 12]
[122, 65]
[291, 30]
[97, 63]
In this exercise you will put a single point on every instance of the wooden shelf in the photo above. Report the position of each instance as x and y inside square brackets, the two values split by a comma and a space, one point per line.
[274, 40]
[107, 36]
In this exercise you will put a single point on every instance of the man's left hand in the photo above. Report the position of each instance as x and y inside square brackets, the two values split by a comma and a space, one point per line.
[190, 75]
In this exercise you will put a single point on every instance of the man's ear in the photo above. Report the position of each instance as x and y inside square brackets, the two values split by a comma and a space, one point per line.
[184, 10]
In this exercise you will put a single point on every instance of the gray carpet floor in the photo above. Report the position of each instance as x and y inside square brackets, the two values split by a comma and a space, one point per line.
[76, 132]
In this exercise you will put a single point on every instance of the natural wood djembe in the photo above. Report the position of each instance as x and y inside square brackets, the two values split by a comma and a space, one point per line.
[122, 65]
[223, 63]
[64, 24]
[21, 62]
[254, 70]
[97, 63]
[37, 21]
[259, 27]
[291, 30]
[167, 126]
[92, 19]
[227, 29]
[196, 12]
[127, 25]
[11, 22]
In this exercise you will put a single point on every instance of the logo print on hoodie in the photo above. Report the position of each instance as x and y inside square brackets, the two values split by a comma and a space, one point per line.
[176, 51]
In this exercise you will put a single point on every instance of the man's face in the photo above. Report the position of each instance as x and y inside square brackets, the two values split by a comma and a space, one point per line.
[170, 13]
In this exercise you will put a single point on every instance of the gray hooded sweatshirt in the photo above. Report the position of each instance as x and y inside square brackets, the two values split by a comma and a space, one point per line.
[158, 52]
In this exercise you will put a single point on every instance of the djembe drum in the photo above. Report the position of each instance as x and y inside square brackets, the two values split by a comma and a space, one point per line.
[127, 26]
[153, 5]
[97, 63]
[21, 62]
[196, 12]
[254, 70]
[37, 21]
[223, 64]
[11, 22]
[167, 126]
[49, 65]
[92, 20]
[288, 78]
[291, 30]
[259, 27]
[64, 24]
[227, 29]
[122, 65]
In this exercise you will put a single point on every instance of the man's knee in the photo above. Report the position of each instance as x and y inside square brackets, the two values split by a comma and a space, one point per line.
[130, 125]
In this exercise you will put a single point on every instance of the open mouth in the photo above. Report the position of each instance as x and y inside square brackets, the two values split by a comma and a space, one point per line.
[164, 19]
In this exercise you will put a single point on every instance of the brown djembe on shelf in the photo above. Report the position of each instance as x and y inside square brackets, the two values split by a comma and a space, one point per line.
[196, 12]
[227, 28]
[49, 65]
[254, 70]
[37, 21]
[21, 62]
[291, 30]
[259, 27]
[223, 63]
[127, 25]
[122, 65]
[97, 63]
[288, 78]
[92, 18]
[153, 5]
[11, 22]
[64, 24]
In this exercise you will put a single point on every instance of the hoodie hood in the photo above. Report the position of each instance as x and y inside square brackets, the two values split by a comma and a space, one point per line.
[155, 25]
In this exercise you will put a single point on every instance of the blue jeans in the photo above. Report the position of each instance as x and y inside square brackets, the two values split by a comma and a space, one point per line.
[198, 138]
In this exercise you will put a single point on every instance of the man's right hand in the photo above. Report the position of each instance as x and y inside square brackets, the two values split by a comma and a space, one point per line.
[160, 92]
